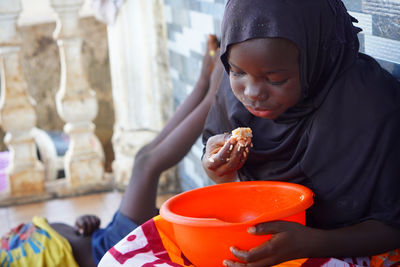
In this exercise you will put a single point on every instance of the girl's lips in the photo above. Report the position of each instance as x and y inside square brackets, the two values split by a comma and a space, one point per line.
[260, 112]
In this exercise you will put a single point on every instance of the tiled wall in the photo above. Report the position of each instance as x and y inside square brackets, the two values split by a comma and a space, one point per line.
[380, 38]
[189, 22]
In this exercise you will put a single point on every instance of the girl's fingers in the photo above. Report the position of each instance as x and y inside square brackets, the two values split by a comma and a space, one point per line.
[225, 155]
[237, 159]
[222, 157]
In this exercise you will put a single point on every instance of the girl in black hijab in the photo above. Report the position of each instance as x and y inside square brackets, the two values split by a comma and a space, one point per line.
[323, 115]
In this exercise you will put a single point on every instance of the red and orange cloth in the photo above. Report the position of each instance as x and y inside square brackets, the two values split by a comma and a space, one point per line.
[153, 244]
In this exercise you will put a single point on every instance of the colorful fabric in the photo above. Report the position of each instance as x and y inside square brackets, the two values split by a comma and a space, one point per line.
[153, 244]
[35, 244]
[104, 239]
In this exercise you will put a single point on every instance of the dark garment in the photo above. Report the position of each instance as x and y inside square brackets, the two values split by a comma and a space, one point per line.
[342, 140]
[104, 239]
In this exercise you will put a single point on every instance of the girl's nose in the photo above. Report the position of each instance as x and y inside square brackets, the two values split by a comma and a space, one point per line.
[256, 91]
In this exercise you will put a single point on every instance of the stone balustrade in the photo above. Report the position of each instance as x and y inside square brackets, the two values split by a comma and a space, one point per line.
[76, 105]
[141, 89]
[76, 101]
[17, 113]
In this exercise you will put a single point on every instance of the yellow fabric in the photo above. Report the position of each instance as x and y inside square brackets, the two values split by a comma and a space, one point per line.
[43, 247]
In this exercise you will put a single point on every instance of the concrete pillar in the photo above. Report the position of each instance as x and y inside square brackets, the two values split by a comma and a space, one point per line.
[76, 101]
[17, 109]
[142, 90]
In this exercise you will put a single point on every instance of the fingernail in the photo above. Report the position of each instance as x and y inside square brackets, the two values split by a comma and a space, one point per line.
[251, 230]
[227, 159]
[230, 147]
[211, 160]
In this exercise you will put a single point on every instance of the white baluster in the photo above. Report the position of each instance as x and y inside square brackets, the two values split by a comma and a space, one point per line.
[76, 101]
[142, 90]
[17, 109]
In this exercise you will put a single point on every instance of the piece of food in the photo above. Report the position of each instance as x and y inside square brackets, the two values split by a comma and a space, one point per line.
[242, 135]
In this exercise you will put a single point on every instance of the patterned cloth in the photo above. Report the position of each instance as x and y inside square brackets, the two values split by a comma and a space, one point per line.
[35, 244]
[105, 238]
[153, 244]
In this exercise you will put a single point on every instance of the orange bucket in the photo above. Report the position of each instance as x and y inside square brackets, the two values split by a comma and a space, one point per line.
[208, 221]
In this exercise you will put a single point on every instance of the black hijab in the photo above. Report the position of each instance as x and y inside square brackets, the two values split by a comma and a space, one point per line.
[342, 138]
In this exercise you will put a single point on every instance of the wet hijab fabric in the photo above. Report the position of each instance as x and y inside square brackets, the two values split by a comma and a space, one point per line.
[343, 138]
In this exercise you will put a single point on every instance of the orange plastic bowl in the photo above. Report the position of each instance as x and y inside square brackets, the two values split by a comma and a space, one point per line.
[208, 221]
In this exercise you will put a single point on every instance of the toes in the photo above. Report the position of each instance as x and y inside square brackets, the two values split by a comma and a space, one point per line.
[86, 224]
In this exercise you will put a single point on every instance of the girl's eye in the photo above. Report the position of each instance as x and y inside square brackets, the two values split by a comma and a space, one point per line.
[281, 82]
[235, 73]
[277, 78]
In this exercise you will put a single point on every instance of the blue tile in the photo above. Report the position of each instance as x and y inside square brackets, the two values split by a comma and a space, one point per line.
[180, 16]
[176, 3]
[391, 67]
[385, 26]
[179, 90]
[361, 39]
[383, 8]
[217, 27]
[353, 5]
[197, 56]
[195, 6]
[213, 9]
[172, 29]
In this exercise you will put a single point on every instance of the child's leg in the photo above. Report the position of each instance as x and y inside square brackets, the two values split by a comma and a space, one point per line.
[200, 89]
[139, 199]
[170, 146]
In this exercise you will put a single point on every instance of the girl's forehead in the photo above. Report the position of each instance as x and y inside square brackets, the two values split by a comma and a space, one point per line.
[263, 55]
[272, 47]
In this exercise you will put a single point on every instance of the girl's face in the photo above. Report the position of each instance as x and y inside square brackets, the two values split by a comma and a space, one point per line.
[264, 75]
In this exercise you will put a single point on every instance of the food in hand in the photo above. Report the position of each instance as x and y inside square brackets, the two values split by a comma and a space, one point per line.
[242, 137]
[241, 133]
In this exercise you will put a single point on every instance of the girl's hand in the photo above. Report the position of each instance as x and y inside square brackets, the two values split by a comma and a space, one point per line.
[289, 241]
[224, 156]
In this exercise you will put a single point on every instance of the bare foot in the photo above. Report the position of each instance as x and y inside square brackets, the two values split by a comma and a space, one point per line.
[210, 56]
[216, 75]
[87, 224]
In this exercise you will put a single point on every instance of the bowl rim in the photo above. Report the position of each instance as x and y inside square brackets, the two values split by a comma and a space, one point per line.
[306, 202]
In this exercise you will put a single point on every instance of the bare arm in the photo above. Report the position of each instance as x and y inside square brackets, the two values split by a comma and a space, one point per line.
[293, 241]
[367, 238]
